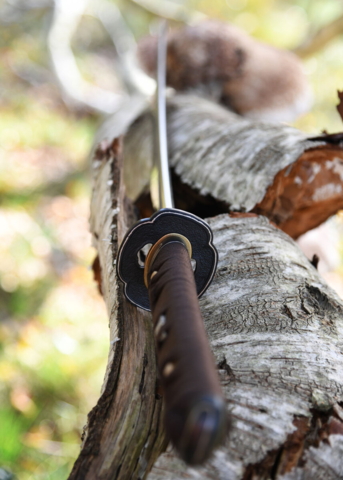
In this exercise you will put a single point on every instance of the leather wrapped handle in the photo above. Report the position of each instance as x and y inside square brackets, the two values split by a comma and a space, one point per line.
[196, 418]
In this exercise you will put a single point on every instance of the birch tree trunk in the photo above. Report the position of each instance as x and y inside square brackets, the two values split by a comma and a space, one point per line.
[276, 330]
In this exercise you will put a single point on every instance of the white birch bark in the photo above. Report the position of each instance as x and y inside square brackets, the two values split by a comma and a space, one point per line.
[228, 156]
[219, 152]
[240, 164]
[276, 330]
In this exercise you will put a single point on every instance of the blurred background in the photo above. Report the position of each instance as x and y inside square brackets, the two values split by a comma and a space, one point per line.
[53, 323]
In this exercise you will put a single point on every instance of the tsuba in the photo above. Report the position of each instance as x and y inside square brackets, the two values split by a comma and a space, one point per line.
[145, 233]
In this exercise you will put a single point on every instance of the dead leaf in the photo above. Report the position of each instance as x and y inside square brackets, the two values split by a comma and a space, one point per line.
[340, 105]
[334, 138]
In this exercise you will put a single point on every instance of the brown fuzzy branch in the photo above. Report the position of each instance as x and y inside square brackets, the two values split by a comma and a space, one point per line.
[219, 60]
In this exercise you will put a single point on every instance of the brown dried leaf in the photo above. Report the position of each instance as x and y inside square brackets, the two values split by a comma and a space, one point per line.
[340, 105]
[333, 138]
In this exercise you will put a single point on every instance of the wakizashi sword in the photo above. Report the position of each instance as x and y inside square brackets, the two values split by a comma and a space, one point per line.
[154, 263]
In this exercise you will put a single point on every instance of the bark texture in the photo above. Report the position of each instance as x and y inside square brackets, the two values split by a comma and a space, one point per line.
[276, 330]
[123, 436]
[234, 164]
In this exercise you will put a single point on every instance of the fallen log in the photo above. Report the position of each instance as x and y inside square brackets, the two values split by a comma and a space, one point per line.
[277, 334]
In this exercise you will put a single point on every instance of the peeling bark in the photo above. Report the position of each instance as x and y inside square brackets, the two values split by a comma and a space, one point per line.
[305, 194]
[224, 162]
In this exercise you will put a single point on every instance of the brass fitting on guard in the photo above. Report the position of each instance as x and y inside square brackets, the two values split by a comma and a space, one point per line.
[154, 250]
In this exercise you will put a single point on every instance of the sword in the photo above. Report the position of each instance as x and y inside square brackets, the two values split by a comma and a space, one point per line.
[155, 265]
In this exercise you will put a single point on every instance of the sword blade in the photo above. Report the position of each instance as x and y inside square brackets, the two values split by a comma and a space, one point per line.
[165, 192]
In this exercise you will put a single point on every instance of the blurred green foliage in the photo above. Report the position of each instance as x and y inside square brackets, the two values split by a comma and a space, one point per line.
[53, 324]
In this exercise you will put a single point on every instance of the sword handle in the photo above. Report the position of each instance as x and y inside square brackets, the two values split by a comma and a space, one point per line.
[195, 418]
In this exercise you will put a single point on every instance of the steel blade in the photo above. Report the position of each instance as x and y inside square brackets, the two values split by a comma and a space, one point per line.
[165, 192]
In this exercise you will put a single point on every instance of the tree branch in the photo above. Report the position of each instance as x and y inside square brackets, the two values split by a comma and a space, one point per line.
[171, 11]
[64, 23]
[320, 39]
